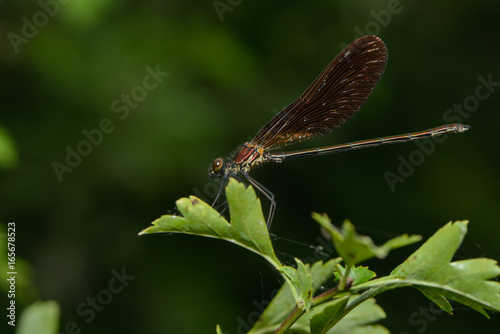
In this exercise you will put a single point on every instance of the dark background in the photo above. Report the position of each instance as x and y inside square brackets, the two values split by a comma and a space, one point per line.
[226, 79]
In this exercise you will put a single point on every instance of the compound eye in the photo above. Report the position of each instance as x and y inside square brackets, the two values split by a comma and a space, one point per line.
[217, 164]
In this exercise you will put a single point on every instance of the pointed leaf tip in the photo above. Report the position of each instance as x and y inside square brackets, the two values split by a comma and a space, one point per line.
[469, 282]
[355, 248]
[247, 228]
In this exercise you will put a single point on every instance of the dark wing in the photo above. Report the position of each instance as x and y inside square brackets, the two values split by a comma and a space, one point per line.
[333, 98]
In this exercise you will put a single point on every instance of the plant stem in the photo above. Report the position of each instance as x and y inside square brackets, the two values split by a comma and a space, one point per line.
[290, 320]
[319, 299]
[327, 295]
[344, 279]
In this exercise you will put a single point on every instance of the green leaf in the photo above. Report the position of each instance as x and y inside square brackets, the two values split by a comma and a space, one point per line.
[334, 317]
[437, 251]
[400, 241]
[218, 330]
[437, 298]
[283, 302]
[355, 248]
[358, 274]
[429, 269]
[362, 320]
[39, 317]
[300, 282]
[327, 315]
[321, 272]
[247, 228]
[276, 312]
[304, 286]
[247, 220]
[466, 281]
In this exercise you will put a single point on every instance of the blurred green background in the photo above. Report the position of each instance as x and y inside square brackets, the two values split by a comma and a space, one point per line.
[230, 70]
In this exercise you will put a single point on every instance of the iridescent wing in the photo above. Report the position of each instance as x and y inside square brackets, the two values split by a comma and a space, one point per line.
[333, 98]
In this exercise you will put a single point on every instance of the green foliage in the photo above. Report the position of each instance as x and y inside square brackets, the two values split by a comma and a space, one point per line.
[301, 306]
[247, 228]
[360, 320]
[465, 281]
[39, 317]
[283, 302]
[355, 248]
